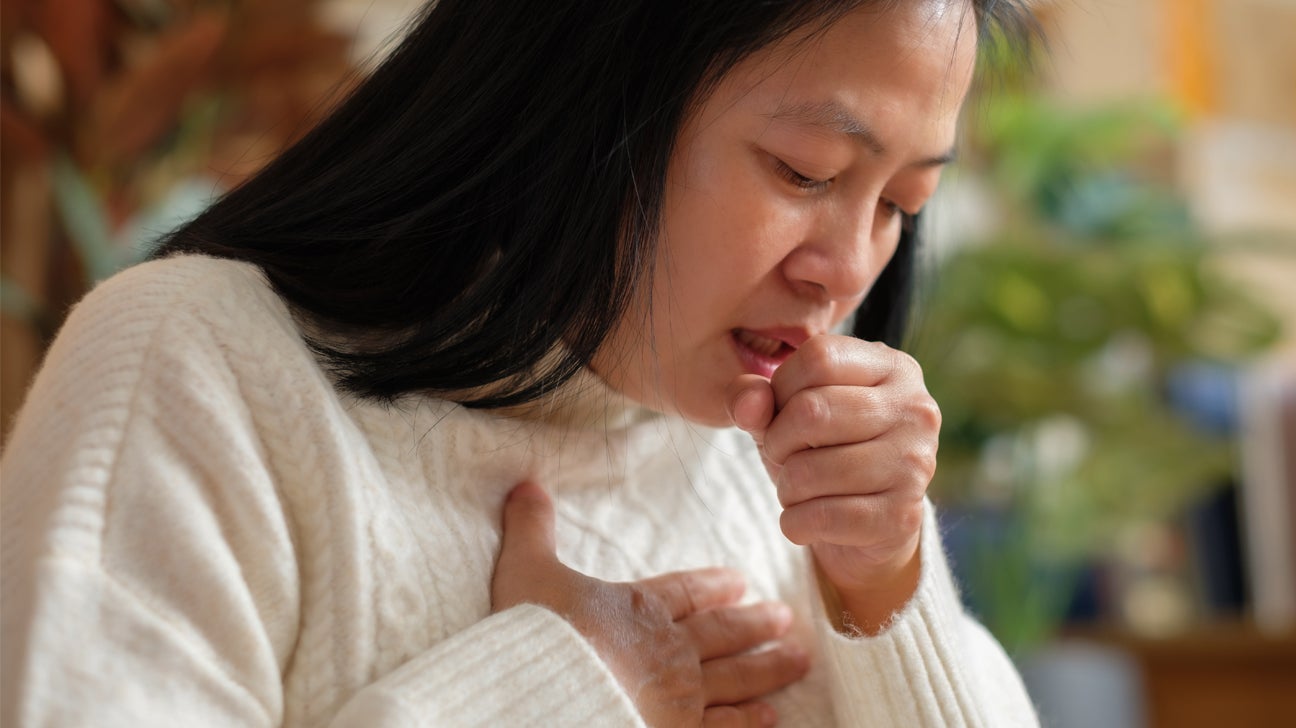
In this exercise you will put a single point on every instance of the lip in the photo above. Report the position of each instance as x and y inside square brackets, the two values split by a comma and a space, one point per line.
[762, 363]
[793, 336]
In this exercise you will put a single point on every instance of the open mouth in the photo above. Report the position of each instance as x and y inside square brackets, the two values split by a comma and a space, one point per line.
[760, 354]
[763, 345]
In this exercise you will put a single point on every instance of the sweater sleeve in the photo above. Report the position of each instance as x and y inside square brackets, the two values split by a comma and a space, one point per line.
[932, 666]
[524, 666]
[150, 571]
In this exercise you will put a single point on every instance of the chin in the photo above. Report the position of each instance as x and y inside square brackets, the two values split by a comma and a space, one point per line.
[705, 413]
[713, 421]
[705, 407]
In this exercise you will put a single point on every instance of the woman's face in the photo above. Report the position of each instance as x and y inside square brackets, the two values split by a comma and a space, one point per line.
[784, 198]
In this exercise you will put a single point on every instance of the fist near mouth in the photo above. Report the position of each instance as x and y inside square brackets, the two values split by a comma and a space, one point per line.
[848, 434]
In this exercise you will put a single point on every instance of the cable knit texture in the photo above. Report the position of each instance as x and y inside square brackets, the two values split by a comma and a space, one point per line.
[200, 530]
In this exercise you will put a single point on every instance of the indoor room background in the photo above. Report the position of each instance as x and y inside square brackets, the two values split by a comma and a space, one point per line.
[1107, 304]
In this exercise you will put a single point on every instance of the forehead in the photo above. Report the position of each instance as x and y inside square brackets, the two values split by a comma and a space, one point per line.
[911, 59]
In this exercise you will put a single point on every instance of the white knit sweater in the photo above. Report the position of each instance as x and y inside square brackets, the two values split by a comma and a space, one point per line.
[199, 530]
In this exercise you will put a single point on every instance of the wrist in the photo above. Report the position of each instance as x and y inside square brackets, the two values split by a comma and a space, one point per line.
[865, 606]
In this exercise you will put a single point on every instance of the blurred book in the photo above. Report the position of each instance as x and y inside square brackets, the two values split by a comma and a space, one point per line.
[1268, 449]
[1213, 538]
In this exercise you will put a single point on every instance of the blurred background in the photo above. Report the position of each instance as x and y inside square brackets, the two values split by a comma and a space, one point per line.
[1108, 311]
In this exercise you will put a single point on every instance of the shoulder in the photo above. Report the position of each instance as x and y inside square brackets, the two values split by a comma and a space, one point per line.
[137, 488]
[158, 339]
[176, 311]
[179, 286]
[173, 372]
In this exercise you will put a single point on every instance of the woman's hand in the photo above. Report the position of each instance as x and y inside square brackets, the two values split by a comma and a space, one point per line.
[678, 644]
[849, 434]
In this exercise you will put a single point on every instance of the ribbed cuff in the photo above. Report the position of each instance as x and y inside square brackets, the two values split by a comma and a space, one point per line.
[522, 666]
[914, 672]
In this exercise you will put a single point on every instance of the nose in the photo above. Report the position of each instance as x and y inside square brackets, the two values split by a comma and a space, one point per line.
[842, 253]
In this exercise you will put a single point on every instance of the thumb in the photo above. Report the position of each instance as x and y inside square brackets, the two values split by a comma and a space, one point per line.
[528, 535]
[750, 404]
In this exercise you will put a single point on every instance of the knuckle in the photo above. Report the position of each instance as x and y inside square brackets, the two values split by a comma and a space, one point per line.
[860, 514]
[688, 588]
[910, 517]
[638, 600]
[918, 466]
[818, 356]
[810, 410]
[646, 605]
[927, 413]
[869, 401]
[822, 516]
[885, 358]
[726, 627]
[904, 362]
[742, 671]
[798, 470]
[675, 698]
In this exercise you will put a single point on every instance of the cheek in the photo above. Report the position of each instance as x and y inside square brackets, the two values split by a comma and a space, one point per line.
[716, 229]
[731, 225]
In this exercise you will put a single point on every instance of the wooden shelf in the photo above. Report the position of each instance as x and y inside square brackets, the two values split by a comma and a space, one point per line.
[1214, 675]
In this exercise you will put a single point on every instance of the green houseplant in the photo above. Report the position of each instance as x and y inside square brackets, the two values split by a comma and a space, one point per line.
[1049, 347]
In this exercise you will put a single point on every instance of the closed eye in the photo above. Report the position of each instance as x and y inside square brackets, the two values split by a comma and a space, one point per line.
[798, 180]
[892, 208]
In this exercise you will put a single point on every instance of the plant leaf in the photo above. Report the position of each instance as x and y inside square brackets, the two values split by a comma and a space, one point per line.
[85, 219]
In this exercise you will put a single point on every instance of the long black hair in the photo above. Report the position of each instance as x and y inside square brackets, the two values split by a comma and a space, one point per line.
[494, 190]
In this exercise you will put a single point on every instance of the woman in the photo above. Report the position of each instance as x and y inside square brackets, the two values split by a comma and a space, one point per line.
[432, 422]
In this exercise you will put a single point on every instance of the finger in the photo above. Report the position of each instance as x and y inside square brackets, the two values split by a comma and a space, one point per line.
[832, 415]
[689, 592]
[903, 466]
[728, 631]
[750, 404]
[528, 536]
[882, 522]
[830, 359]
[746, 715]
[739, 678]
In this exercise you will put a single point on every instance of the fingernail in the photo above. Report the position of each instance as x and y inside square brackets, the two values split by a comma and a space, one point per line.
[768, 715]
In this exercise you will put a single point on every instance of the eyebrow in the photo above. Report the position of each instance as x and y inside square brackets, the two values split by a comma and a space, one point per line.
[833, 116]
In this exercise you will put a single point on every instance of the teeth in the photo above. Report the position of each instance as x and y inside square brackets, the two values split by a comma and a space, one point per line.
[759, 344]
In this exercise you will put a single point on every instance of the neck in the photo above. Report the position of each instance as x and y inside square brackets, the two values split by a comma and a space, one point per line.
[584, 401]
